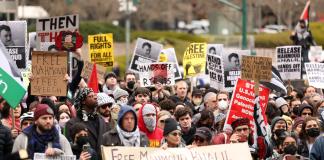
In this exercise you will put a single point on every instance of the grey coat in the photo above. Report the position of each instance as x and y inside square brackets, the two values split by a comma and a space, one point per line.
[111, 138]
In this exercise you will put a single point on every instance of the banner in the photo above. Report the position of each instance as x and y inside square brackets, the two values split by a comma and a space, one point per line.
[145, 52]
[237, 151]
[215, 71]
[194, 59]
[152, 73]
[316, 54]
[42, 156]
[256, 68]
[232, 66]
[315, 74]
[168, 55]
[289, 62]
[14, 37]
[48, 28]
[49, 69]
[87, 69]
[101, 48]
[242, 102]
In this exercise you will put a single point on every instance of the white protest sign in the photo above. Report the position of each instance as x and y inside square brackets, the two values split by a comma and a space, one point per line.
[152, 73]
[215, 49]
[145, 52]
[315, 74]
[316, 54]
[168, 55]
[216, 71]
[48, 28]
[42, 156]
[289, 62]
[237, 151]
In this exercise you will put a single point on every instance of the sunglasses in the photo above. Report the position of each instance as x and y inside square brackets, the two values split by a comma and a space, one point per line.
[106, 105]
[176, 134]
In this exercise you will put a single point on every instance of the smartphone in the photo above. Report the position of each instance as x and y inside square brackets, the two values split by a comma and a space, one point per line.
[86, 148]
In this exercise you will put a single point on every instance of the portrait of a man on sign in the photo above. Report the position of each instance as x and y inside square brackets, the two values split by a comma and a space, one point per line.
[234, 61]
[5, 35]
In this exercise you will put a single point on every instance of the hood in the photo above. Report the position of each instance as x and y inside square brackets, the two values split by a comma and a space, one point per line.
[141, 124]
[123, 110]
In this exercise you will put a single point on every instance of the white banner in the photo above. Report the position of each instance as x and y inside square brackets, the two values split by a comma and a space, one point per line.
[315, 74]
[289, 62]
[42, 156]
[152, 73]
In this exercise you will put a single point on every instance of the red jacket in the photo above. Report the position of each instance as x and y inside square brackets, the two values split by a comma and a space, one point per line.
[154, 137]
[221, 138]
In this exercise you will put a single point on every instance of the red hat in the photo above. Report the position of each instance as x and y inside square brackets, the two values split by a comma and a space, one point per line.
[42, 109]
[240, 122]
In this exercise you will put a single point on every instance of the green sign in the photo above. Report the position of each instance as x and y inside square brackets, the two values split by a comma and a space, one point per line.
[10, 89]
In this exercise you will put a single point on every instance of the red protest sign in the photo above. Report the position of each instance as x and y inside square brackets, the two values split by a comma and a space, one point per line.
[242, 102]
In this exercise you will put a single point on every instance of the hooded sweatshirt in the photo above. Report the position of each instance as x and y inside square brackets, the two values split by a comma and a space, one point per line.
[154, 137]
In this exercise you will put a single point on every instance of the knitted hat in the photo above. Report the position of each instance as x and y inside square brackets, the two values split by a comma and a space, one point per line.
[197, 92]
[275, 120]
[304, 106]
[109, 75]
[297, 121]
[26, 116]
[170, 125]
[287, 119]
[148, 109]
[204, 133]
[119, 93]
[42, 109]
[240, 122]
[82, 95]
[103, 98]
[280, 102]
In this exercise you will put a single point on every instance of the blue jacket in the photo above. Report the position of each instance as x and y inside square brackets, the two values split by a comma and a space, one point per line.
[317, 152]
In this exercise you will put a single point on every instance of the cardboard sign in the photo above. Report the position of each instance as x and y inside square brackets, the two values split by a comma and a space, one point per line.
[256, 68]
[153, 73]
[48, 29]
[289, 62]
[235, 151]
[232, 59]
[242, 102]
[49, 69]
[42, 156]
[15, 41]
[87, 70]
[145, 52]
[315, 74]
[10, 89]
[194, 59]
[168, 55]
[215, 71]
[101, 48]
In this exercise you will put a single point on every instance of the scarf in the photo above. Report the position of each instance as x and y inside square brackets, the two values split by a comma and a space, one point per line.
[37, 143]
[8, 122]
[302, 33]
[82, 114]
[130, 139]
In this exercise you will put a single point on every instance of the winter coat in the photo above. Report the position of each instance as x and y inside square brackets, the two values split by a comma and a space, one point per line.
[5, 141]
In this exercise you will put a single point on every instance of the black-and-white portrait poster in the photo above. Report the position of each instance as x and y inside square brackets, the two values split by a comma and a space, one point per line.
[215, 49]
[13, 34]
[146, 51]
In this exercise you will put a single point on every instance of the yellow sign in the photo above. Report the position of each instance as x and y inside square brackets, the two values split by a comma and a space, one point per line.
[194, 59]
[101, 48]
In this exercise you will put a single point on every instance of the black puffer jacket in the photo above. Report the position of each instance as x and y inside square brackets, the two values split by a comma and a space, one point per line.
[6, 141]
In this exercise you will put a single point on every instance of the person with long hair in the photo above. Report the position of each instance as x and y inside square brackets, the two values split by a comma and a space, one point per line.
[310, 131]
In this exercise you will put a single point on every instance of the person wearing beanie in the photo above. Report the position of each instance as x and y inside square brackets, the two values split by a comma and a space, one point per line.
[121, 96]
[126, 132]
[278, 131]
[305, 110]
[297, 126]
[203, 137]
[282, 104]
[26, 120]
[172, 135]
[147, 123]
[241, 130]
[197, 99]
[110, 83]
[42, 136]
[86, 103]
[288, 121]
[105, 103]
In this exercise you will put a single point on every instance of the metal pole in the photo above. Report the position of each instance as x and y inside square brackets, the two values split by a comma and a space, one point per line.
[244, 27]
[127, 32]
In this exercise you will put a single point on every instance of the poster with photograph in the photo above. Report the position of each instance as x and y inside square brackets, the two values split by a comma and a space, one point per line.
[156, 73]
[13, 35]
[215, 49]
[145, 52]
[232, 59]
[168, 55]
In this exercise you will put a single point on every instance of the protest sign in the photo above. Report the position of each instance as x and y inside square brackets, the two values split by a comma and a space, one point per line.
[289, 62]
[215, 49]
[101, 48]
[49, 69]
[232, 66]
[316, 54]
[242, 102]
[15, 41]
[216, 71]
[168, 55]
[42, 156]
[145, 52]
[235, 151]
[87, 69]
[10, 89]
[315, 74]
[47, 29]
[256, 68]
[152, 73]
[194, 59]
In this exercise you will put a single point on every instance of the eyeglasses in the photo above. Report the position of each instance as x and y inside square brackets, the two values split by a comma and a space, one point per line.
[241, 129]
[106, 105]
[176, 134]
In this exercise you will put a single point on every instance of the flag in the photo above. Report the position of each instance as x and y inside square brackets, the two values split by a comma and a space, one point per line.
[93, 81]
[305, 14]
[8, 64]
[276, 83]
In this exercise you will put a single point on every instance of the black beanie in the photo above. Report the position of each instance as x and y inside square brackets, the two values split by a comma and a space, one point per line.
[170, 125]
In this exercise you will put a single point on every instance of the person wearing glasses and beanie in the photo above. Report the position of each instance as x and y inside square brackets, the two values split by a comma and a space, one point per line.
[172, 135]
[105, 103]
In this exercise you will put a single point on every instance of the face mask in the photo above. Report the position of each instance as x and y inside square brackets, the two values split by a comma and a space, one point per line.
[280, 133]
[222, 105]
[290, 149]
[122, 102]
[150, 123]
[82, 140]
[313, 132]
[130, 84]
[63, 122]
[320, 111]
[197, 101]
